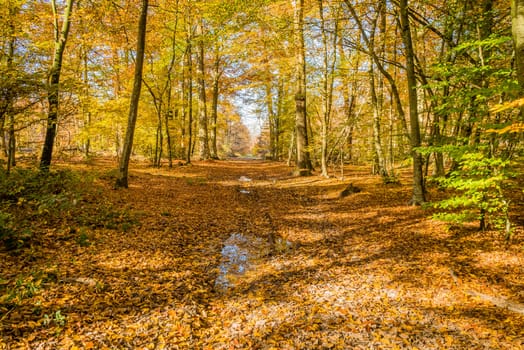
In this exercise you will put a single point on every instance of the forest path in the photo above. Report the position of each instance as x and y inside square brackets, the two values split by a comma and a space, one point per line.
[364, 271]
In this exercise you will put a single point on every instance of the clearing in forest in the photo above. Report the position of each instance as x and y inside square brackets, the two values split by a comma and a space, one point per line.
[241, 255]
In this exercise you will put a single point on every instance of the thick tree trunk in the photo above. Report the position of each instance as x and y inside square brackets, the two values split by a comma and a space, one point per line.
[327, 86]
[214, 105]
[418, 197]
[203, 135]
[53, 84]
[517, 17]
[271, 118]
[122, 179]
[303, 162]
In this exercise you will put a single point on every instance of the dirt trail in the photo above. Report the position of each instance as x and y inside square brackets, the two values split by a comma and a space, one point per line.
[364, 271]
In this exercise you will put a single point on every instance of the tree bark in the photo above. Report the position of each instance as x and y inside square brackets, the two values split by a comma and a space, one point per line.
[517, 26]
[188, 90]
[376, 103]
[270, 117]
[377, 139]
[214, 104]
[418, 197]
[168, 114]
[122, 179]
[53, 83]
[9, 95]
[303, 163]
[203, 134]
[327, 86]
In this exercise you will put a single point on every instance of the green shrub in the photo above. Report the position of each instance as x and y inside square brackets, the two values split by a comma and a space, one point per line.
[14, 293]
[478, 182]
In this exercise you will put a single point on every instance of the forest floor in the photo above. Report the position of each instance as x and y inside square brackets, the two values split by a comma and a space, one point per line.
[241, 255]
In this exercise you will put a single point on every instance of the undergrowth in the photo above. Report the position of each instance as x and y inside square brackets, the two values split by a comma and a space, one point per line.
[31, 200]
[30, 197]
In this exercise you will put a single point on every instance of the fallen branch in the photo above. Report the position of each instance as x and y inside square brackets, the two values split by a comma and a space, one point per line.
[497, 301]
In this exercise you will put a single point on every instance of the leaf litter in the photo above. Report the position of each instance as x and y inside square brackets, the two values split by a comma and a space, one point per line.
[289, 265]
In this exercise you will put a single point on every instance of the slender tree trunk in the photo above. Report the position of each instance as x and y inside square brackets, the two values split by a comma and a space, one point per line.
[278, 146]
[11, 159]
[303, 162]
[377, 139]
[418, 197]
[53, 83]
[325, 108]
[291, 149]
[86, 114]
[183, 89]
[159, 138]
[10, 95]
[122, 178]
[85, 107]
[189, 101]
[168, 114]
[376, 59]
[3, 134]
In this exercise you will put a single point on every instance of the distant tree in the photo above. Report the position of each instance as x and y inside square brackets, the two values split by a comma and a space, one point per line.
[240, 139]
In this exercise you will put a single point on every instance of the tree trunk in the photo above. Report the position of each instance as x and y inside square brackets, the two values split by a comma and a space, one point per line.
[122, 179]
[53, 83]
[168, 114]
[11, 161]
[418, 197]
[203, 135]
[9, 96]
[291, 149]
[189, 99]
[327, 87]
[377, 140]
[271, 117]
[159, 146]
[214, 105]
[277, 124]
[517, 25]
[379, 64]
[303, 162]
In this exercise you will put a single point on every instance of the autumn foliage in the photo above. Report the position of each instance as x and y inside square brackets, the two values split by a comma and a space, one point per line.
[138, 268]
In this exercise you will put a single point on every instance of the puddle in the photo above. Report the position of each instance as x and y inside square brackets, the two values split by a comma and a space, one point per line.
[244, 179]
[245, 191]
[239, 255]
